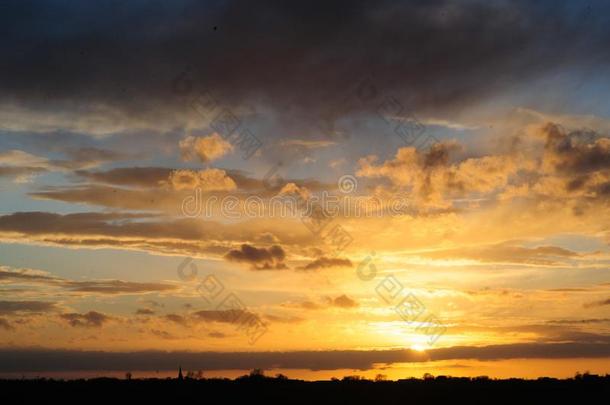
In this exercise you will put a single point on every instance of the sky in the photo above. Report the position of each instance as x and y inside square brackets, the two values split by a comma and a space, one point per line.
[362, 187]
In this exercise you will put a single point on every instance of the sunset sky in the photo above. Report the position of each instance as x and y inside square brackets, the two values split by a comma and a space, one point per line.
[143, 145]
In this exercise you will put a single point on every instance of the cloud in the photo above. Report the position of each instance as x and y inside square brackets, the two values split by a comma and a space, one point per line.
[22, 166]
[21, 174]
[507, 253]
[112, 287]
[600, 303]
[156, 177]
[580, 321]
[145, 311]
[92, 156]
[103, 88]
[227, 316]
[129, 176]
[282, 319]
[4, 324]
[326, 262]
[307, 144]
[15, 360]
[19, 158]
[91, 319]
[175, 318]
[259, 258]
[34, 307]
[145, 232]
[576, 152]
[207, 149]
[159, 189]
[221, 316]
[578, 160]
[206, 180]
[103, 287]
[163, 334]
[25, 275]
[217, 335]
[433, 178]
[309, 305]
[343, 301]
[550, 163]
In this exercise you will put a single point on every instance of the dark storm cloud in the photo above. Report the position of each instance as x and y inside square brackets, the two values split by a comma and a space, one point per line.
[66, 360]
[578, 153]
[300, 56]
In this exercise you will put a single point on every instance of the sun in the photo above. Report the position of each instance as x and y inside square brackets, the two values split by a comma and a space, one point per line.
[418, 347]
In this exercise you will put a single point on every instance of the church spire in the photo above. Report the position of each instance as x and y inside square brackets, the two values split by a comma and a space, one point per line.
[180, 377]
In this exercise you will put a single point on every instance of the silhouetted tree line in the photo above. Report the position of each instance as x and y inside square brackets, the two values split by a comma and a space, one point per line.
[258, 388]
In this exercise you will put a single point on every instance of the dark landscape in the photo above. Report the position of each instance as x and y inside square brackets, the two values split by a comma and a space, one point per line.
[280, 390]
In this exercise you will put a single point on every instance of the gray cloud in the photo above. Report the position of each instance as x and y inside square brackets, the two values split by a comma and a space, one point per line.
[259, 258]
[599, 303]
[343, 301]
[325, 262]
[23, 275]
[65, 360]
[412, 49]
[143, 232]
[17, 172]
[4, 324]
[507, 253]
[13, 307]
[580, 321]
[129, 176]
[116, 287]
[109, 287]
[179, 319]
[221, 316]
[91, 319]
